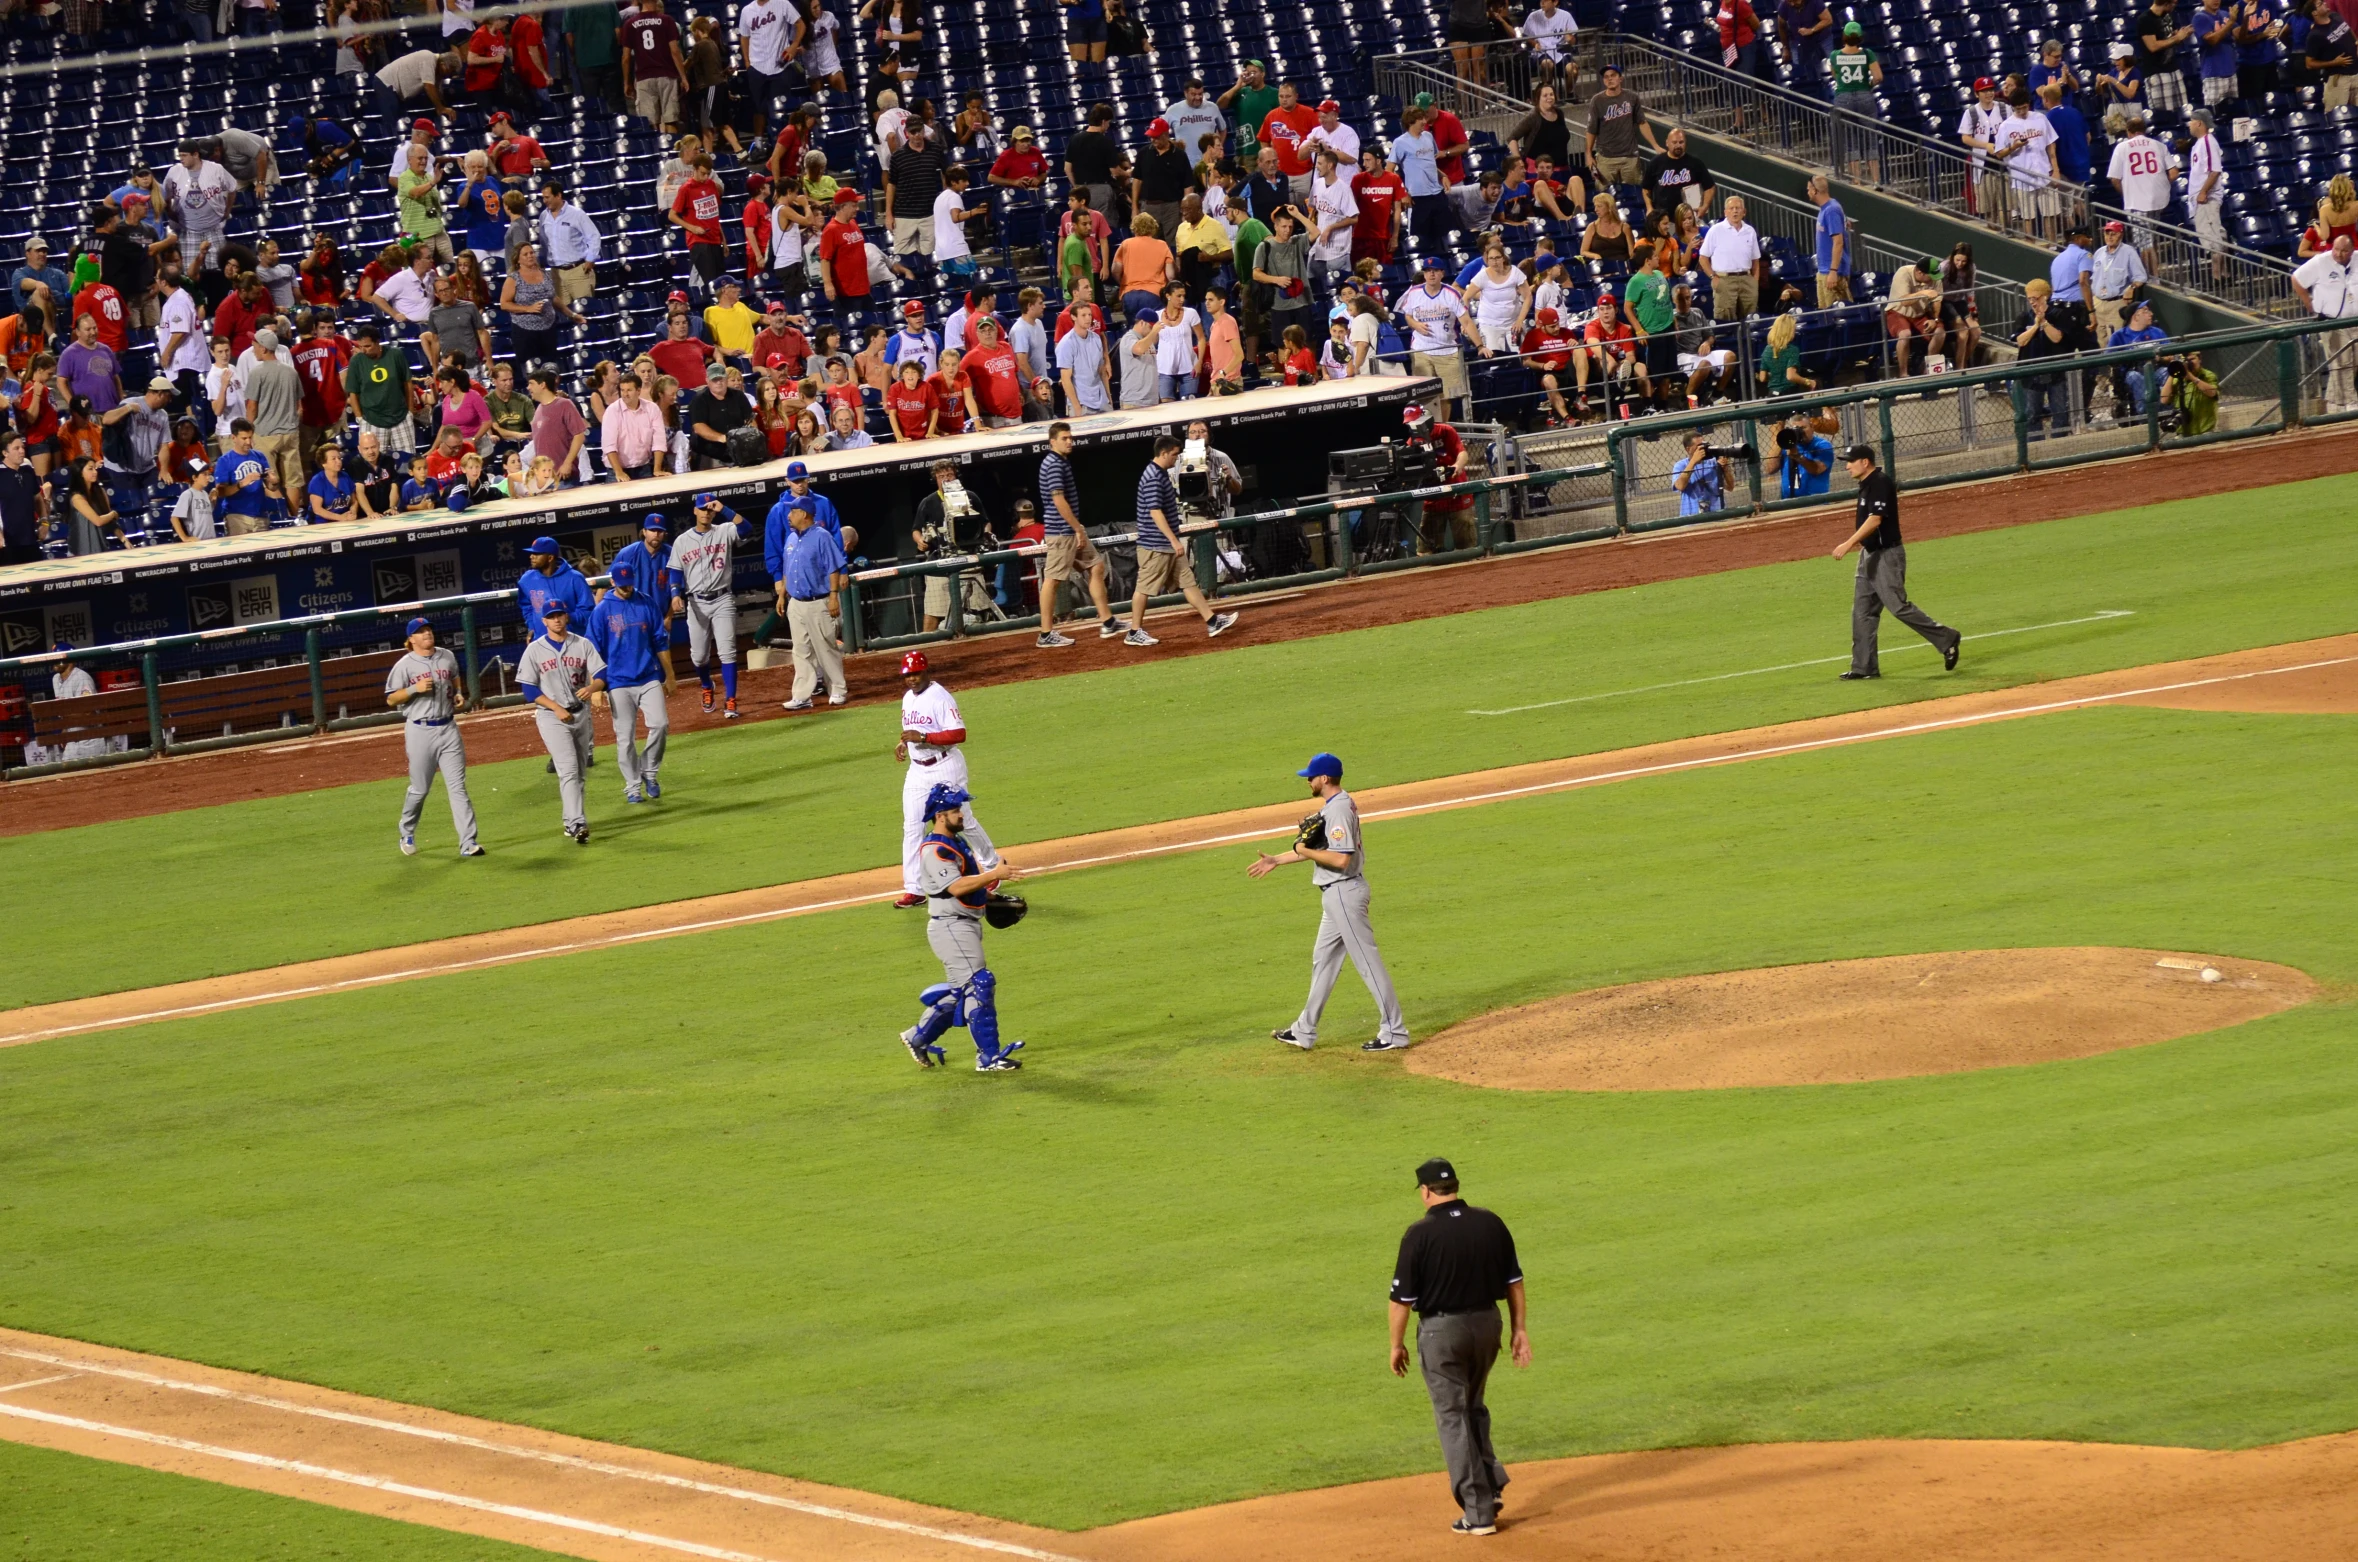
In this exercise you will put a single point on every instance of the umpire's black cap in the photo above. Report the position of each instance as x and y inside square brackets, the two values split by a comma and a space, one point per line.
[1438, 1174]
[1859, 453]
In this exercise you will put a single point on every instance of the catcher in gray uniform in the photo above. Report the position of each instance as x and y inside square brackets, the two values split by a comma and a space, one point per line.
[424, 687]
[961, 894]
[560, 673]
[1329, 841]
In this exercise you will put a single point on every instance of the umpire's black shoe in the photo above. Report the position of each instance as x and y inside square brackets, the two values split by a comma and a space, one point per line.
[1854, 677]
[1948, 658]
[1381, 1045]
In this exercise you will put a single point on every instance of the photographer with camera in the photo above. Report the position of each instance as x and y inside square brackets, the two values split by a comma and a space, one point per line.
[1162, 552]
[1434, 446]
[1805, 459]
[1701, 475]
[947, 523]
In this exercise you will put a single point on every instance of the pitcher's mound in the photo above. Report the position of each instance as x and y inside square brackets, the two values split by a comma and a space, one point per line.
[1854, 1020]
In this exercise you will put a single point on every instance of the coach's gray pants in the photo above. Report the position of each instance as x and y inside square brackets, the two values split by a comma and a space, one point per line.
[630, 705]
[431, 749]
[1457, 1351]
[815, 654]
[1882, 585]
[570, 744]
[958, 942]
[1343, 929]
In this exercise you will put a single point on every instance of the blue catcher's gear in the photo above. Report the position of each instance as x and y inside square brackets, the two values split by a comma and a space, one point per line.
[945, 797]
[975, 1006]
[941, 1012]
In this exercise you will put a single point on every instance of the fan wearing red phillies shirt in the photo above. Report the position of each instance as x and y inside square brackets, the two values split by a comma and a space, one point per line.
[104, 305]
[320, 361]
[911, 402]
[680, 355]
[1282, 131]
[1023, 166]
[1547, 351]
[778, 346]
[1383, 197]
[487, 56]
[996, 376]
[844, 249]
[1613, 346]
[696, 211]
[953, 390]
[756, 224]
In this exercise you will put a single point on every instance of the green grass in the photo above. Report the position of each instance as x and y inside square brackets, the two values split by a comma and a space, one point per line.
[64, 1508]
[694, 1197]
[255, 884]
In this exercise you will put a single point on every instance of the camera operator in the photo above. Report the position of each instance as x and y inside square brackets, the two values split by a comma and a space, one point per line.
[1805, 459]
[1701, 475]
[1429, 439]
[947, 523]
[1222, 476]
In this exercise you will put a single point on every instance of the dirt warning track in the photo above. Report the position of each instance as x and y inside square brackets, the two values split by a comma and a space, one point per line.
[1795, 1502]
[2314, 661]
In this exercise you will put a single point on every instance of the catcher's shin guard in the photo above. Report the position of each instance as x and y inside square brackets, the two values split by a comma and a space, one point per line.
[982, 1013]
[941, 1012]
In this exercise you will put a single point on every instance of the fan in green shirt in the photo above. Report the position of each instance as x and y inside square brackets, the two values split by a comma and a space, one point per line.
[377, 380]
[419, 198]
[1249, 236]
[1250, 99]
[592, 29]
[1649, 301]
[1855, 68]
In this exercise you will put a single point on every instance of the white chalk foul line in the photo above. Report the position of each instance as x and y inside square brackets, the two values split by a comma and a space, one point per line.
[1786, 667]
[486, 1445]
[55, 1377]
[1134, 854]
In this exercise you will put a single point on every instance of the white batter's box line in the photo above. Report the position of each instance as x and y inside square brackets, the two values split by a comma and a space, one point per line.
[486, 1445]
[1786, 667]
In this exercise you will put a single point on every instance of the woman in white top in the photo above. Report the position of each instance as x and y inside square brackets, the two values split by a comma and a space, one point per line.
[1334, 212]
[814, 45]
[1499, 296]
[676, 172]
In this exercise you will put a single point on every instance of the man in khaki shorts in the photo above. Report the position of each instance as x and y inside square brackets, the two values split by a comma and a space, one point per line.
[570, 244]
[1162, 555]
[1067, 543]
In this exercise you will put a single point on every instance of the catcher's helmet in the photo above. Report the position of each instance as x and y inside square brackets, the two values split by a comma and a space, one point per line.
[914, 664]
[943, 798]
[1005, 910]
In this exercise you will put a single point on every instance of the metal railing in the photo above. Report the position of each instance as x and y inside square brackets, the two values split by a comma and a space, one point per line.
[1702, 96]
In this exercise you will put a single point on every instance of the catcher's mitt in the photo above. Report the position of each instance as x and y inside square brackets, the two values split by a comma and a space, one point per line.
[1005, 910]
[1312, 832]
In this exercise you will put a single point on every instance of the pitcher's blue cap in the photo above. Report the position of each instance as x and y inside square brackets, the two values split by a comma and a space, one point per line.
[414, 625]
[655, 523]
[1322, 765]
[543, 545]
[624, 575]
[797, 472]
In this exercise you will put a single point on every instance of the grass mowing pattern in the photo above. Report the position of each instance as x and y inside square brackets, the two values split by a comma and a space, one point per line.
[257, 884]
[58, 1507]
[718, 1213]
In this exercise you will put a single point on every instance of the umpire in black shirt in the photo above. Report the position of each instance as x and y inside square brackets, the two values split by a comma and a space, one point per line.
[1883, 571]
[1454, 1266]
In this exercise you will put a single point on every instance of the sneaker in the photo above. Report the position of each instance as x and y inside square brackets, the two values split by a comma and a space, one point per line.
[1381, 1045]
[654, 789]
[729, 709]
[634, 795]
[906, 901]
[473, 851]
[552, 767]
[926, 1054]
[1289, 1038]
[838, 697]
[1948, 658]
[1002, 1064]
[707, 702]
[1052, 641]
[1857, 677]
[1219, 624]
[1112, 627]
[409, 844]
[1469, 1527]
[798, 704]
[1139, 637]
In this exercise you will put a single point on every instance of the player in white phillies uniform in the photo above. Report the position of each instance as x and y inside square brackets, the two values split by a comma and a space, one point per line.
[933, 736]
[560, 673]
[703, 571]
[424, 687]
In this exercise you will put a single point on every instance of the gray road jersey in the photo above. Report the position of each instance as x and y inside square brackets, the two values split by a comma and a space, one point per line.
[560, 671]
[703, 558]
[437, 664]
[1342, 835]
[937, 870]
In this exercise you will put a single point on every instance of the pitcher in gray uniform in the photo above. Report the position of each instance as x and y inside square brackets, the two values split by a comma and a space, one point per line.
[1329, 841]
[563, 675]
[424, 687]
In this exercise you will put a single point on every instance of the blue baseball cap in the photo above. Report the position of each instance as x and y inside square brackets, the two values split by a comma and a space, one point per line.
[655, 523]
[1432, 263]
[796, 472]
[705, 498]
[1322, 765]
[945, 797]
[623, 575]
[543, 545]
[414, 625]
[63, 647]
[555, 608]
[802, 507]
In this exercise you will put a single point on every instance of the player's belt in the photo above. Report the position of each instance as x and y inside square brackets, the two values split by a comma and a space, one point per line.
[423, 722]
[913, 759]
[715, 596]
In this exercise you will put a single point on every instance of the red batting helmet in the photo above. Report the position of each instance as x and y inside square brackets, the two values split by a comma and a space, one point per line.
[914, 664]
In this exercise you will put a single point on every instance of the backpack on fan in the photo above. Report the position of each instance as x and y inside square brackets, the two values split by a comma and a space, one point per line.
[748, 446]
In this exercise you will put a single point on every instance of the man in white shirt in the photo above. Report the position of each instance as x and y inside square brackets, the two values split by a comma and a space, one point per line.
[185, 353]
[890, 117]
[407, 295]
[763, 28]
[197, 194]
[1978, 129]
[950, 216]
[1334, 213]
[1731, 254]
[2115, 273]
[2328, 284]
[1436, 316]
[1549, 28]
[1331, 131]
[2206, 183]
[2026, 142]
[1196, 122]
[2140, 171]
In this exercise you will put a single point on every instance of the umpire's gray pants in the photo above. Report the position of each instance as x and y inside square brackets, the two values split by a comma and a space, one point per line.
[1343, 929]
[1457, 1351]
[1882, 585]
[631, 705]
[815, 655]
[431, 749]
[570, 744]
[958, 942]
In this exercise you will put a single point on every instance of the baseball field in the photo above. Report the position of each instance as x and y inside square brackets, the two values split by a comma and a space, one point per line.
[618, 1146]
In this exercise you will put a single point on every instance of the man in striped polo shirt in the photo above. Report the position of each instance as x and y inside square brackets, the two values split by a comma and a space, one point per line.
[1162, 559]
[1067, 542]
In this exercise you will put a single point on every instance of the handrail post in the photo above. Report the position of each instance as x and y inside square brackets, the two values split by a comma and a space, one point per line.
[2021, 404]
[1888, 440]
[1485, 532]
[2288, 379]
[472, 653]
[157, 745]
[1203, 556]
[849, 599]
[318, 680]
[1752, 467]
[2152, 404]
[1613, 446]
[955, 620]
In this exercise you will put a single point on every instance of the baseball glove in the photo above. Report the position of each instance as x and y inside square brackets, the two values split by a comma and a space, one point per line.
[1311, 833]
[1005, 910]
